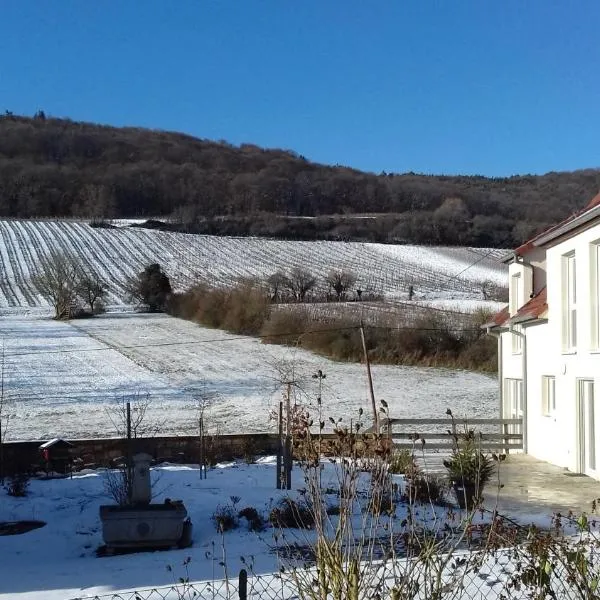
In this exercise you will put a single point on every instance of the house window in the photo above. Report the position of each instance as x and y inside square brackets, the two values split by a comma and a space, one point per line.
[548, 395]
[595, 295]
[513, 402]
[516, 293]
[569, 303]
[517, 339]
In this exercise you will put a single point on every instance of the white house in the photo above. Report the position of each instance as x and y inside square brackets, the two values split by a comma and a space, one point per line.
[549, 342]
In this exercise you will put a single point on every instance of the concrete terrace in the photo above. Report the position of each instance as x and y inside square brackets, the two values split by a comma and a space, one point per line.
[533, 489]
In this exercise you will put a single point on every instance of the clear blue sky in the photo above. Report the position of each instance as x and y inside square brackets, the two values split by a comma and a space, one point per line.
[447, 86]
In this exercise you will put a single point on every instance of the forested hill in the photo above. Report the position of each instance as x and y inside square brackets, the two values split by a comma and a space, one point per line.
[57, 167]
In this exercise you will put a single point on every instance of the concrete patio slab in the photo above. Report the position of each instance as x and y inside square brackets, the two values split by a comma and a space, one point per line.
[535, 489]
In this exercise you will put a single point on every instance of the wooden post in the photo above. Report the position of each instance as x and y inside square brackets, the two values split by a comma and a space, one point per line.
[370, 379]
[201, 440]
[288, 439]
[506, 440]
[280, 447]
[129, 457]
[243, 585]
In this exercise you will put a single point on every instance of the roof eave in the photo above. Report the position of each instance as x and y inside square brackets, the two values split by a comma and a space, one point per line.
[586, 217]
[509, 257]
[526, 319]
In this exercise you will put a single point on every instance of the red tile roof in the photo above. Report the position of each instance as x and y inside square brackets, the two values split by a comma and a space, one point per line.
[500, 317]
[533, 309]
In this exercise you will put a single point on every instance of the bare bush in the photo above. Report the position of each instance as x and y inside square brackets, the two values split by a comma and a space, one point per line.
[57, 280]
[92, 290]
[116, 485]
[340, 282]
[277, 283]
[300, 282]
[139, 402]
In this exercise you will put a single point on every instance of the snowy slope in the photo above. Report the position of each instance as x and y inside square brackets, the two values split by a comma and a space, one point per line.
[118, 253]
[63, 376]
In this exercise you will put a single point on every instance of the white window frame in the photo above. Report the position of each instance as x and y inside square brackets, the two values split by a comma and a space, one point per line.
[516, 293]
[569, 272]
[512, 400]
[595, 295]
[548, 395]
[517, 339]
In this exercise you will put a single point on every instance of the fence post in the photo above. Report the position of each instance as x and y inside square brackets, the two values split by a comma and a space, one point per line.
[243, 585]
[505, 431]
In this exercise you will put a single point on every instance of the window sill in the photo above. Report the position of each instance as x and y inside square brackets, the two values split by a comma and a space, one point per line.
[568, 352]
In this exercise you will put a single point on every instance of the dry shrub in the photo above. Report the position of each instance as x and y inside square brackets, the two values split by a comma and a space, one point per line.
[242, 309]
[224, 518]
[434, 339]
[426, 488]
[285, 326]
[253, 517]
[291, 514]
[17, 485]
[402, 462]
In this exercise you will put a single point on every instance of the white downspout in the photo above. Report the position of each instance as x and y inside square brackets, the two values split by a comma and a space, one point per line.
[498, 337]
[513, 331]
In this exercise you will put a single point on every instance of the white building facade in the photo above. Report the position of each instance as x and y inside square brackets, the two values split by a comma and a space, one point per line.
[549, 343]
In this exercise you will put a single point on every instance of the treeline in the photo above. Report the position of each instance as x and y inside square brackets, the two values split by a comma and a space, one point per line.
[432, 340]
[57, 167]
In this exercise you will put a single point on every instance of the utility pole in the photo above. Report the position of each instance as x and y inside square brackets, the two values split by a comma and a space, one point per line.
[370, 379]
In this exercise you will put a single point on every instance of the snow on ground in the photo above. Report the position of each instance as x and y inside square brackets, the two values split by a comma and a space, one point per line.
[465, 305]
[118, 253]
[59, 562]
[63, 376]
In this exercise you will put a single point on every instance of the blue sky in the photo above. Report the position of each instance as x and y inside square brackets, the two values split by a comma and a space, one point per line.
[447, 86]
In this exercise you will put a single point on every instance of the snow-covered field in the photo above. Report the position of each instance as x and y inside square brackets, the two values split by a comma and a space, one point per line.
[63, 376]
[116, 254]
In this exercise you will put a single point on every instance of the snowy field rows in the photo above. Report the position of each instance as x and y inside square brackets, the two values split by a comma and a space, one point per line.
[61, 378]
[118, 253]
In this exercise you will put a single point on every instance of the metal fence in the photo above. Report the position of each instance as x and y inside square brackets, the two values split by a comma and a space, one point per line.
[493, 578]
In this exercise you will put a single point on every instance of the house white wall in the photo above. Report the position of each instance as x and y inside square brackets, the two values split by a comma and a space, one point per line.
[584, 361]
[556, 438]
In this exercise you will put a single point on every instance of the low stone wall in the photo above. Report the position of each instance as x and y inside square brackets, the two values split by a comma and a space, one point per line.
[26, 456]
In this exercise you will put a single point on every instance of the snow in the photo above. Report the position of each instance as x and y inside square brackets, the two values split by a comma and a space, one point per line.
[118, 253]
[59, 561]
[62, 377]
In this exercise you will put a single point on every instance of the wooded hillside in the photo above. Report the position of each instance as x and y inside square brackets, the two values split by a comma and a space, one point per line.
[57, 167]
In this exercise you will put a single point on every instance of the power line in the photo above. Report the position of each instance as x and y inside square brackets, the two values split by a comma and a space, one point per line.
[294, 334]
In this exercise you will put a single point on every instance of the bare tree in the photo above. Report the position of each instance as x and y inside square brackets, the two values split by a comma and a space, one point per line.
[300, 282]
[277, 282]
[92, 290]
[492, 291]
[209, 444]
[57, 280]
[140, 403]
[340, 282]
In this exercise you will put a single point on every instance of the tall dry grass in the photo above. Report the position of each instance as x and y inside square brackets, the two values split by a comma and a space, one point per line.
[431, 340]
